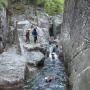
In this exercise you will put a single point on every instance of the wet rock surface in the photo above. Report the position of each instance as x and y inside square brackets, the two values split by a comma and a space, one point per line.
[51, 68]
[54, 71]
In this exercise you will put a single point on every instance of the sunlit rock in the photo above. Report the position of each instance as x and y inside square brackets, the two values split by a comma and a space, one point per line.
[35, 58]
[11, 68]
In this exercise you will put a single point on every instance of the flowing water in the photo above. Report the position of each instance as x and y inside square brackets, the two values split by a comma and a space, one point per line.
[53, 68]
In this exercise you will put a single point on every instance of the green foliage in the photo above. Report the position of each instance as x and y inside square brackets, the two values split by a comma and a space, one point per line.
[19, 8]
[3, 3]
[33, 2]
[40, 2]
[53, 7]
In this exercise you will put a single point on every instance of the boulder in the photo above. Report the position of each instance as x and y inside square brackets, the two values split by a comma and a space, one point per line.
[35, 47]
[57, 21]
[11, 69]
[30, 72]
[35, 58]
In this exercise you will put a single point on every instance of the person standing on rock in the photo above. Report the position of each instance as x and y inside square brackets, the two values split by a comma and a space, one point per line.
[34, 33]
[27, 36]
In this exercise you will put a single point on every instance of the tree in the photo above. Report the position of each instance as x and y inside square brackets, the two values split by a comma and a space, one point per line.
[41, 2]
[53, 7]
[3, 3]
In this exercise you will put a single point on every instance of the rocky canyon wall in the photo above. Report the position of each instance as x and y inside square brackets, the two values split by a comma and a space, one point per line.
[75, 37]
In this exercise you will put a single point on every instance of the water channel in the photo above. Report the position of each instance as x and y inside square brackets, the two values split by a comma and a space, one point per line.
[54, 70]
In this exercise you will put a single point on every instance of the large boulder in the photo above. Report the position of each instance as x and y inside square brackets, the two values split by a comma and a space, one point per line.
[11, 69]
[35, 58]
[30, 72]
[57, 21]
[35, 47]
[43, 20]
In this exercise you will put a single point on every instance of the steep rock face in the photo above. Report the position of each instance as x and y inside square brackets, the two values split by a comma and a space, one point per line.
[57, 20]
[75, 38]
[3, 25]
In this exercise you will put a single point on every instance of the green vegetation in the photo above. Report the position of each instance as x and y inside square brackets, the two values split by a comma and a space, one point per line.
[52, 7]
[19, 6]
[3, 3]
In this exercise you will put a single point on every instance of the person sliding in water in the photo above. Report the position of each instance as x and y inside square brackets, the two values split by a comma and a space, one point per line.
[49, 78]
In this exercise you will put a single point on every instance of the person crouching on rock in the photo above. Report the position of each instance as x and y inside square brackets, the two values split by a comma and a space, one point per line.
[27, 36]
[34, 33]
